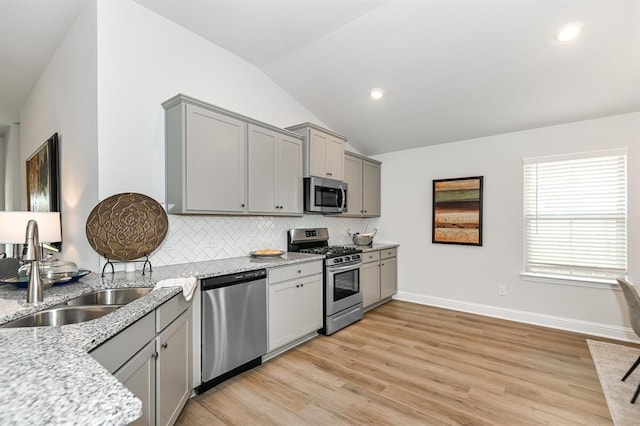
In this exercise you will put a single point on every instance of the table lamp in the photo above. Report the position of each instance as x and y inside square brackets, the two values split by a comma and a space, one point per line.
[26, 228]
[13, 226]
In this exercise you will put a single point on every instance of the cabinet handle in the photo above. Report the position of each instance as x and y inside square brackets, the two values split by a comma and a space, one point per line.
[164, 345]
[301, 285]
[299, 271]
[154, 355]
[242, 205]
[297, 285]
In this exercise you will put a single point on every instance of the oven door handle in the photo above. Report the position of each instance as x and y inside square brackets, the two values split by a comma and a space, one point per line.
[333, 270]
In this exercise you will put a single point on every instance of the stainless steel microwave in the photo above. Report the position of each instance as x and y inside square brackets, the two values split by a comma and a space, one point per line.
[322, 195]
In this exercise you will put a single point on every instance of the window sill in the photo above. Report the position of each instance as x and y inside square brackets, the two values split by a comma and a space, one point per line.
[575, 281]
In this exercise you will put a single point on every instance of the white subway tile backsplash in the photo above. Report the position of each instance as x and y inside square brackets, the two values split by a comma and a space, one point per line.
[199, 238]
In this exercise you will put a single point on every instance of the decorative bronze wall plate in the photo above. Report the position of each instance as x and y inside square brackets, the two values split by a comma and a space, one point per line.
[127, 226]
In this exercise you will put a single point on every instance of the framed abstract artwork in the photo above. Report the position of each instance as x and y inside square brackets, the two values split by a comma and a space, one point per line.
[43, 171]
[457, 211]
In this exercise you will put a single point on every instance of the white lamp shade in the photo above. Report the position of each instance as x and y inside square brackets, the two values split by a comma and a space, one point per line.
[13, 226]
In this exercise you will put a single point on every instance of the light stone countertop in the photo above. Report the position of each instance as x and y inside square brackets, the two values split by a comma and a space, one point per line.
[46, 373]
[375, 246]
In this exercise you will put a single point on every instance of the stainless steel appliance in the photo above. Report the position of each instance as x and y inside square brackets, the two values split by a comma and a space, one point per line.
[234, 325]
[342, 296]
[322, 195]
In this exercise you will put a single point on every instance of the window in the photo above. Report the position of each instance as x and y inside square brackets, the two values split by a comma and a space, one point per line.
[575, 216]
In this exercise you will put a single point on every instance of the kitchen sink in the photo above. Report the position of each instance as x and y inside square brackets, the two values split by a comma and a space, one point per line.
[83, 308]
[112, 296]
[61, 316]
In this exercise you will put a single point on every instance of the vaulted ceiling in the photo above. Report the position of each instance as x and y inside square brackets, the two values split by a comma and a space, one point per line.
[450, 69]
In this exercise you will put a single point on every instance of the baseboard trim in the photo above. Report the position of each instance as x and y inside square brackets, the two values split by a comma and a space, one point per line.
[561, 323]
[291, 345]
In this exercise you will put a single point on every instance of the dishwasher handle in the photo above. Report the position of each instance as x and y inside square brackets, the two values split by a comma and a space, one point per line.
[233, 279]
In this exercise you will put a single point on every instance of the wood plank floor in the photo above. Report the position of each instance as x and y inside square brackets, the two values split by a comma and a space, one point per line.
[406, 364]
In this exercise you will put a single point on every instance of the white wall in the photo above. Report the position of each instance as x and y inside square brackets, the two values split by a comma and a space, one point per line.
[64, 100]
[467, 277]
[143, 60]
[12, 189]
[3, 163]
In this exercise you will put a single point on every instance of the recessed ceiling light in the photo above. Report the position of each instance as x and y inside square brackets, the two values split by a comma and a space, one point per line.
[568, 32]
[376, 93]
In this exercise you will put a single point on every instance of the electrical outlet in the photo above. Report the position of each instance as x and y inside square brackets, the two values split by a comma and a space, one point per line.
[502, 290]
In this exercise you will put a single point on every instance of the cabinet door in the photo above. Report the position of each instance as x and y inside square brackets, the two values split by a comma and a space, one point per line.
[370, 283]
[282, 314]
[353, 177]
[139, 376]
[371, 188]
[262, 150]
[334, 158]
[290, 175]
[317, 155]
[173, 369]
[388, 277]
[215, 161]
[309, 305]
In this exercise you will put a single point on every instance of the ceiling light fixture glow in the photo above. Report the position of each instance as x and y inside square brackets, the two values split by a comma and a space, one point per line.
[376, 93]
[568, 32]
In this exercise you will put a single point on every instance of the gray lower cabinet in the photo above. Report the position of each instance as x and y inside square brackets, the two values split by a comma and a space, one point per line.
[370, 278]
[388, 277]
[173, 375]
[294, 303]
[363, 176]
[138, 375]
[378, 276]
[152, 358]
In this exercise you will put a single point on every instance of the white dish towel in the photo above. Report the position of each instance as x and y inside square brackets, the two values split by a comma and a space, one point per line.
[188, 285]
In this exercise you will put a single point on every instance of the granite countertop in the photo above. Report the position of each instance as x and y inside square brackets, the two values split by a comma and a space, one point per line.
[375, 246]
[46, 373]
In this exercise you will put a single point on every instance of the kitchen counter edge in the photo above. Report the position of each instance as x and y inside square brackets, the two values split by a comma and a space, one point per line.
[49, 369]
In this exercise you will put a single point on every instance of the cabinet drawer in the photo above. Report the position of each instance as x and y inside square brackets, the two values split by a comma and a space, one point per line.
[170, 310]
[113, 353]
[285, 273]
[370, 256]
[387, 253]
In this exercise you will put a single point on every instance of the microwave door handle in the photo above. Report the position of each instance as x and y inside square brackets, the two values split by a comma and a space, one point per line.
[344, 198]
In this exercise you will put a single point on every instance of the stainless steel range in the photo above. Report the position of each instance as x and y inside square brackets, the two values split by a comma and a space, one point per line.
[342, 296]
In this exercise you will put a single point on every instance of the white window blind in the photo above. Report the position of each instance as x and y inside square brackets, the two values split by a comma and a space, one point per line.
[575, 216]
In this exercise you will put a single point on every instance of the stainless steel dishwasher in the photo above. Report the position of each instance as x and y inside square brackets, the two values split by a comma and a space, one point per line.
[234, 325]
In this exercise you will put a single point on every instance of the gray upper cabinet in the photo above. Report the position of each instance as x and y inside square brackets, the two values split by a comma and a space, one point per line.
[353, 177]
[371, 188]
[323, 153]
[275, 172]
[221, 162]
[363, 176]
[205, 160]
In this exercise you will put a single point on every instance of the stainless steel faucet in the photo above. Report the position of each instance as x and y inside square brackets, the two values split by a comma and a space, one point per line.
[32, 254]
